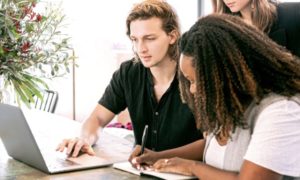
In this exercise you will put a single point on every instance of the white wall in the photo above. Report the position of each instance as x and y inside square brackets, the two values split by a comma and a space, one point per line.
[99, 37]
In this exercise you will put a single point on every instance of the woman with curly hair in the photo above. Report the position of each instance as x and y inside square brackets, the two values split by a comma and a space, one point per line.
[242, 88]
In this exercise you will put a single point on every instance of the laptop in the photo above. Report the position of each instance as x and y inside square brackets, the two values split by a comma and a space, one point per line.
[32, 137]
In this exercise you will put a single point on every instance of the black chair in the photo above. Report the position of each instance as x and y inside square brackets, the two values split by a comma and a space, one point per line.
[50, 99]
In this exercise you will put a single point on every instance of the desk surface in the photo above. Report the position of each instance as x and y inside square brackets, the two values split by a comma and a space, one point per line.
[13, 169]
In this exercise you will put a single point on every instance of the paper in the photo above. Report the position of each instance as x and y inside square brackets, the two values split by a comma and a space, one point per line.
[126, 166]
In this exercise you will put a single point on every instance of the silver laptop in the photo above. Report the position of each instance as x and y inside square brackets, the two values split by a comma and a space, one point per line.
[33, 146]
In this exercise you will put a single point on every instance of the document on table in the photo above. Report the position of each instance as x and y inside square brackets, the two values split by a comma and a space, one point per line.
[126, 166]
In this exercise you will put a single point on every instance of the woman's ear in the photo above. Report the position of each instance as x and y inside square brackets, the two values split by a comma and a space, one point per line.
[173, 35]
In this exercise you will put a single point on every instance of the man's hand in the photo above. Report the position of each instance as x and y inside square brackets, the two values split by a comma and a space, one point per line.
[75, 146]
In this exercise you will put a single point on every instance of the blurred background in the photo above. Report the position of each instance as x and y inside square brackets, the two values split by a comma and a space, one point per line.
[100, 44]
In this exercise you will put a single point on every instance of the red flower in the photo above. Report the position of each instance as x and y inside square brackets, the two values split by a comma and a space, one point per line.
[18, 27]
[39, 18]
[6, 49]
[25, 47]
[32, 15]
[27, 10]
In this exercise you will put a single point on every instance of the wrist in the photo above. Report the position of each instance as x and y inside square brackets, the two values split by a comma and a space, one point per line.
[194, 165]
[89, 139]
[157, 156]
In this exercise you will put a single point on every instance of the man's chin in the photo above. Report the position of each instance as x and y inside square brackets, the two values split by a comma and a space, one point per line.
[147, 65]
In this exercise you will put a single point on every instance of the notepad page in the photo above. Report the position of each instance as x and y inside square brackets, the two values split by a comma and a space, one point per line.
[126, 166]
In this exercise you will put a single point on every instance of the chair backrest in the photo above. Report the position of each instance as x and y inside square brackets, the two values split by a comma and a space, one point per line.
[50, 99]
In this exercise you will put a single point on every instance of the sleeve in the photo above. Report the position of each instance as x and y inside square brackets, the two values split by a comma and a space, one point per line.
[275, 142]
[114, 94]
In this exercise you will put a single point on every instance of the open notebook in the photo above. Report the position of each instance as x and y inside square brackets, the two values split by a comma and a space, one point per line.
[126, 166]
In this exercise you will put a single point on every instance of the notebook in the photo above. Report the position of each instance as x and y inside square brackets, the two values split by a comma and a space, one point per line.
[126, 166]
[31, 137]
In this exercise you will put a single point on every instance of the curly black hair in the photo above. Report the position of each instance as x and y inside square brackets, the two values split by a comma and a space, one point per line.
[235, 64]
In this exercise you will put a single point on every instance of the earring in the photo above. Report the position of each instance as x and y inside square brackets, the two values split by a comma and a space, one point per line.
[252, 5]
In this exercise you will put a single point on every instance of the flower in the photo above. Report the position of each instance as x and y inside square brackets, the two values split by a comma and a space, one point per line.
[32, 46]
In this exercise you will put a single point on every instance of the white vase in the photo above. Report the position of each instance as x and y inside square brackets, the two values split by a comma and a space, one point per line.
[4, 93]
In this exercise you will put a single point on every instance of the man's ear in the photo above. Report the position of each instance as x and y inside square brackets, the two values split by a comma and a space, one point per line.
[173, 35]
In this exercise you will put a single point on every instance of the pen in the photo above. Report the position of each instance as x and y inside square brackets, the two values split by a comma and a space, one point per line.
[144, 139]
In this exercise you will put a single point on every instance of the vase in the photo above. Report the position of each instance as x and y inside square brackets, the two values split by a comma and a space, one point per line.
[4, 93]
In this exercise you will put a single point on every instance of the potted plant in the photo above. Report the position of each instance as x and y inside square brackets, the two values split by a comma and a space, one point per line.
[32, 47]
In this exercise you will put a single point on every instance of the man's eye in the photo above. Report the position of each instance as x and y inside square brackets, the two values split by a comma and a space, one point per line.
[150, 39]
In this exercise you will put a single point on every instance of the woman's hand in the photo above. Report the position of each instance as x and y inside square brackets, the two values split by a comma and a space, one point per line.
[175, 165]
[139, 160]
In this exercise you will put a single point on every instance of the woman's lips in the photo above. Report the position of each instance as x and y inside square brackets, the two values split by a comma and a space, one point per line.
[230, 4]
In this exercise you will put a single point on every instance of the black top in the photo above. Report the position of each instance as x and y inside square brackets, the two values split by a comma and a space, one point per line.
[171, 123]
[286, 29]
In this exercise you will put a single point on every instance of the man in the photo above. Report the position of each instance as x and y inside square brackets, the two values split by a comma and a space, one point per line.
[147, 85]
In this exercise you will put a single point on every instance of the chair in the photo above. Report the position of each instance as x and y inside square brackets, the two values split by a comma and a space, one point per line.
[50, 99]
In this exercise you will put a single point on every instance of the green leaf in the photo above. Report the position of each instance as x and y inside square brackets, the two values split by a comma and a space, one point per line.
[48, 54]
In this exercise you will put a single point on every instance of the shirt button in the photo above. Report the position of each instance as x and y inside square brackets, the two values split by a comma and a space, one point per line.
[154, 131]
[156, 113]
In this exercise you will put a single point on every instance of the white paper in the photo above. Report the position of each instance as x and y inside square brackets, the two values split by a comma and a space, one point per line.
[126, 166]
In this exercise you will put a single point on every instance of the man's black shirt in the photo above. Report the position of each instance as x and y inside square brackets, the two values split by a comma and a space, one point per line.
[171, 123]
